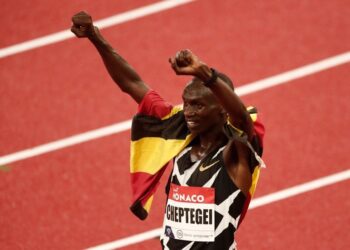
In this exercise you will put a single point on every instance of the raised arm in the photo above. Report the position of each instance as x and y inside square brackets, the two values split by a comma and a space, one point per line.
[186, 63]
[121, 72]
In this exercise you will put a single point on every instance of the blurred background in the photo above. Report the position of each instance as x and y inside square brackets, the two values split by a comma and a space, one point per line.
[64, 143]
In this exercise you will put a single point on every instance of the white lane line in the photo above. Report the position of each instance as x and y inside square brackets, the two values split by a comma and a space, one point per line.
[66, 142]
[299, 189]
[125, 125]
[103, 23]
[295, 73]
[137, 238]
[258, 202]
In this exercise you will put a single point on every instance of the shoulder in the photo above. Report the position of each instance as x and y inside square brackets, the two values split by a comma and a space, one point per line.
[153, 104]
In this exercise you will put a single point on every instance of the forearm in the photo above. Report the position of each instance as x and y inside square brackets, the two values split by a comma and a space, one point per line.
[238, 114]
[119, 69]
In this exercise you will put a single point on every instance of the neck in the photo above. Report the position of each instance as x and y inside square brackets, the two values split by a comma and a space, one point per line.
[207, 142]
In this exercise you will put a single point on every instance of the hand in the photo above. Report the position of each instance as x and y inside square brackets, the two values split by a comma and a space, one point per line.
[82, 25]
[186, 63]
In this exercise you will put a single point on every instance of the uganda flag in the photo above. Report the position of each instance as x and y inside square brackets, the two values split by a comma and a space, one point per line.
[154, 142]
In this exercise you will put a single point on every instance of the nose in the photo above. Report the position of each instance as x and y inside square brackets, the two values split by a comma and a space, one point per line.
[189, 111]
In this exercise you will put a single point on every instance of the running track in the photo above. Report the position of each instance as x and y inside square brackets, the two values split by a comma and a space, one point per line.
[77, 197]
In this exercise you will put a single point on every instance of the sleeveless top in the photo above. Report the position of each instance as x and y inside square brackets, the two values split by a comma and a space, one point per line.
[208, 211]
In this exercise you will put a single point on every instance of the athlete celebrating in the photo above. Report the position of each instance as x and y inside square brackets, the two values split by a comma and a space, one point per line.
[215, 143]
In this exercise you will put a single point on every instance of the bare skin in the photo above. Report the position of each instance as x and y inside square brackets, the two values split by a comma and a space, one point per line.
[206, 109]
[121, 72]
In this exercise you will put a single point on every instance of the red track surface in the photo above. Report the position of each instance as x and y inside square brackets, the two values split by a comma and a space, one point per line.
[79, 196]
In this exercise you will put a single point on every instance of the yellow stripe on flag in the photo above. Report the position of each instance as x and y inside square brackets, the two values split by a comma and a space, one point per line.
[255, 178]
[150, 154]
[148, 204]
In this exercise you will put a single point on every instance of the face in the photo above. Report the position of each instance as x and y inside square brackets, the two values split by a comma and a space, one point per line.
[202, 111]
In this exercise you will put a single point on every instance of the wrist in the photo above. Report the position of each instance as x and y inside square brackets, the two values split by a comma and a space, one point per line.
[211, 78]
[93, 34]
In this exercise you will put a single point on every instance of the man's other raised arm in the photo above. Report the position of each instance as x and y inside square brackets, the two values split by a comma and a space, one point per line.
[121, 72]
[186, 63]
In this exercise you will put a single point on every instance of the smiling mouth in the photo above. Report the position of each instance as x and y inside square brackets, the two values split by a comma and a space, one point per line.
[191, 124]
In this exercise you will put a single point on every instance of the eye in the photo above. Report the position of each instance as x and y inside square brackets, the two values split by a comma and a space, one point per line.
[199, 106]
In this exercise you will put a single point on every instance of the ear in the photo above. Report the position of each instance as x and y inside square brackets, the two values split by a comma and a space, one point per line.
[223, 111]
[224, 114]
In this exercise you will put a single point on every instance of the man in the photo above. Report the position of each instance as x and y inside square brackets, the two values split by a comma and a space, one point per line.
[213, 140]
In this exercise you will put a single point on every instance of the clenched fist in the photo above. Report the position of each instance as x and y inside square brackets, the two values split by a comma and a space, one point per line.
[82, 25]
[186, 63]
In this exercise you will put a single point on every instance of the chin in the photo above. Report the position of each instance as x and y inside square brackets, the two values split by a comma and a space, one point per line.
[196, 130]
[193, 130]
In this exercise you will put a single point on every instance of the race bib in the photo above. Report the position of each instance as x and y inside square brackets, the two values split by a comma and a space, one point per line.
[190, 213]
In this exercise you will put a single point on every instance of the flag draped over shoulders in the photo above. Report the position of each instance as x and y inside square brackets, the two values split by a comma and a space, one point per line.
[158, 133]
